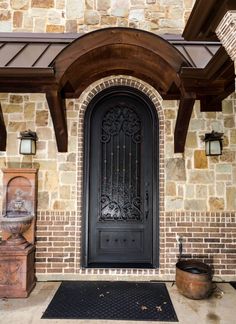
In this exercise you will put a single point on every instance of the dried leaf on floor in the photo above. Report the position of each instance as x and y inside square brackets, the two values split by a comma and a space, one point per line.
[158, 309]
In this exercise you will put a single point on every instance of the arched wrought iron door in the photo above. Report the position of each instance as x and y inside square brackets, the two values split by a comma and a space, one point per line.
[120, 180]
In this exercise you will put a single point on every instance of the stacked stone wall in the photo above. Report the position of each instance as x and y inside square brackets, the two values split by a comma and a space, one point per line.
[86, 15]
[193, 180]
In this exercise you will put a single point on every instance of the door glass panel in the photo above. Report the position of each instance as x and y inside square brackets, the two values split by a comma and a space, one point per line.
[121, 135]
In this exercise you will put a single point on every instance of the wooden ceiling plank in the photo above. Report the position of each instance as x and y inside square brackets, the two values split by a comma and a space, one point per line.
[58, 114]
[182, 122]
[104, 38]
[90, 68]
[3, 132]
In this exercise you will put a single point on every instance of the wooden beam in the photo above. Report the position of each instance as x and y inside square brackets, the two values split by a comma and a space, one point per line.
[58, 113]
[3, 132]
[26, 80]
[183, 118]
[210, 103]
[197, 19]
[205, 17]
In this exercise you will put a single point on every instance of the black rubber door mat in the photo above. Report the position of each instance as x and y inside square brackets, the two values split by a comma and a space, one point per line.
[111, 300]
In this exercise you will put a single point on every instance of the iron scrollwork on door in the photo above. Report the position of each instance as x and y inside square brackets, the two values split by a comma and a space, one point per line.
[120, 167]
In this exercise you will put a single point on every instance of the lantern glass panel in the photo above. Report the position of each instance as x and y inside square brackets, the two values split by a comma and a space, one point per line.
[213, 148]
[27, 146]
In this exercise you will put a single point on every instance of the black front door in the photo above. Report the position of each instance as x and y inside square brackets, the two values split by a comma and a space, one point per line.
[120, 179]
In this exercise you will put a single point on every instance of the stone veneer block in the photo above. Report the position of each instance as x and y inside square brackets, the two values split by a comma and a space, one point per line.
[5, 15]
[103, 4]
[17, 277]
[201, 176]
[175, 169]
[20, 4]
[74, 9]
[216, 203]
[91, 17]
[42, 4]
[55, 29]
[200, 159]
[17, 19]
[120, 8]
[231, 198]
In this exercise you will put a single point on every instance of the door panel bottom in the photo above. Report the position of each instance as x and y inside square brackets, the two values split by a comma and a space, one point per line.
[120, 241]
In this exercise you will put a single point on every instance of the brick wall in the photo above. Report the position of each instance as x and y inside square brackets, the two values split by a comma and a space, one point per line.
[226, 33]
[55, 241]
[209, 237]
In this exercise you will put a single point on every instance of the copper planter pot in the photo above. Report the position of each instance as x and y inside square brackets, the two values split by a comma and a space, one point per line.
[194, 279]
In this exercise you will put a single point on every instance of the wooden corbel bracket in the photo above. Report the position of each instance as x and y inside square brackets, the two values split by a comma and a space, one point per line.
[186, 104]
[58, 113]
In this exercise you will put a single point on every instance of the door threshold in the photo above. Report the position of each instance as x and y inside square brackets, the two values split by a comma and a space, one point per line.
[121, 265]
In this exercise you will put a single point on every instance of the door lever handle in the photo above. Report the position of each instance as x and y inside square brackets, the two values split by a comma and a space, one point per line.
[146, 205]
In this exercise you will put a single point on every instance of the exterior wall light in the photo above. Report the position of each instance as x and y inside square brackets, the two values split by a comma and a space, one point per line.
[213, 143]
[28, 142]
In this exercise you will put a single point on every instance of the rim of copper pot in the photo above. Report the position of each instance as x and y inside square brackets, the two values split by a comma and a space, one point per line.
[181, 264]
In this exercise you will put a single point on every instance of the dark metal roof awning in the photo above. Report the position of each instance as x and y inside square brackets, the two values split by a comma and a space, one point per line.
[63, 65]
[39, 50]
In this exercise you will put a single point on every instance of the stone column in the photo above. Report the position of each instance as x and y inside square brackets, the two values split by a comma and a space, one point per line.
[226, 32]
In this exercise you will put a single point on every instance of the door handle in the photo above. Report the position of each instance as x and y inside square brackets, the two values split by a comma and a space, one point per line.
[146, 204]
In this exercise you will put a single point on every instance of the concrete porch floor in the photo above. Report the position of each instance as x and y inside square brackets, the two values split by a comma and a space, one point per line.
[218, 309]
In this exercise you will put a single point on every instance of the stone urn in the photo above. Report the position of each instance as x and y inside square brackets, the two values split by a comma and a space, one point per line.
[16, 226]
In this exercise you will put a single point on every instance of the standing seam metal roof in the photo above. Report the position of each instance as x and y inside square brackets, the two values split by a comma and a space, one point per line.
[26, 50]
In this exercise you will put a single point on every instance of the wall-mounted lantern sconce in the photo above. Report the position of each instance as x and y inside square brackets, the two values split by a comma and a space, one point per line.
[213, 143]
[28, 142]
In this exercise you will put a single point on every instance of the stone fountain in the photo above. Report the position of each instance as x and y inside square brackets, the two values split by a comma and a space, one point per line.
[17, 221]
[17, 249]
